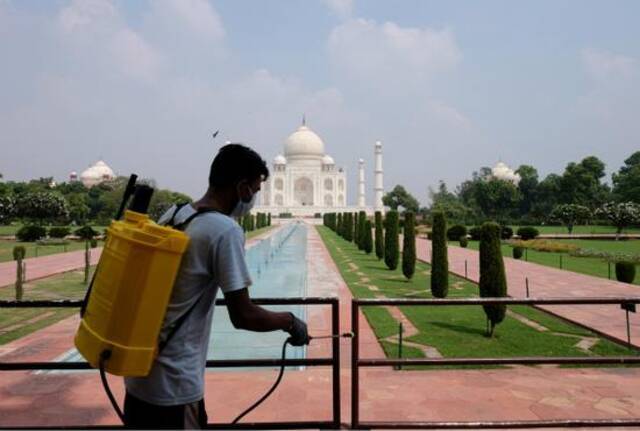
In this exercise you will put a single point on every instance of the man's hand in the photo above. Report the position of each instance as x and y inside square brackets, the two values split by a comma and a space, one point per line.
[298, 331]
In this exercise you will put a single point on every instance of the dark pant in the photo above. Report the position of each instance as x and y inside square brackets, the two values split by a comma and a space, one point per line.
[139, 414]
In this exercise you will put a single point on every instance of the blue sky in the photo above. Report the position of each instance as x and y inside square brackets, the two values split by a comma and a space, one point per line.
[448, 86]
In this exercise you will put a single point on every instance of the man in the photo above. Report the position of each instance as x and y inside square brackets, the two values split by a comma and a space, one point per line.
[171, 396]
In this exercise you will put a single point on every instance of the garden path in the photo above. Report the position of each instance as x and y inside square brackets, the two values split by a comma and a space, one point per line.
[546, 282]
[45, 266]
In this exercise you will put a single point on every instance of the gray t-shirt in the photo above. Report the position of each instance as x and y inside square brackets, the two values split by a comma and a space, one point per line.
[214, 258]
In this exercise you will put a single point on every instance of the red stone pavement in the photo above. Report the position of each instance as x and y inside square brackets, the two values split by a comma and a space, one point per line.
[45, 266]
[522, 393]
[547, 282]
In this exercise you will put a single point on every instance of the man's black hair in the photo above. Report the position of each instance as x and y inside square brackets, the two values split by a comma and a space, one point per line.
[236, 162]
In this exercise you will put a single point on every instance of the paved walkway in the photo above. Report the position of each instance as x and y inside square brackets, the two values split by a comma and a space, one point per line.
[525, 393]
[547, 282]
[45, 266]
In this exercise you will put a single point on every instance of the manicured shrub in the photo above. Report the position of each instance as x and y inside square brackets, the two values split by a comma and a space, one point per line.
[409, 245]
[506, 232]
[269, 219]
[391, 249]
[59, 232]
[93, 243]
[379, 235]
[518, 252]
[356, 229]
[528, 232]
[362, 219]
[19, 253]
[464, 242]
[625, 272]
[455, 232]
[348, 231]
[493, 281]
[475, 233]
[439, 258]
[368, 237]
[85, 232]
[31, 233]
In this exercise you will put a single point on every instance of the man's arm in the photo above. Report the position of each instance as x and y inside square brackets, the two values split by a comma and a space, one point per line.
[244, 314]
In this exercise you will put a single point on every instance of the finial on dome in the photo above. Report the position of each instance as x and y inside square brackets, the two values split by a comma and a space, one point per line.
[304, 119]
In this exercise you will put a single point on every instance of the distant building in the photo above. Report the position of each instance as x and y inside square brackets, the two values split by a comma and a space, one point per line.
[93, 175]
[503, 172]
[305, 180]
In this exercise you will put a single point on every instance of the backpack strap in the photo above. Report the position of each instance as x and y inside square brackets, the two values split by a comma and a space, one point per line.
[182, 226]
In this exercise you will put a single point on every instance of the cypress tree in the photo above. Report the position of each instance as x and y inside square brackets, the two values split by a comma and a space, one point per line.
[368, 238]
[354, 235]
[439, 258]
[493, 281]
[391, 252]
[379, 236]
[362, 226]
[409, 245]
[339, 227]
[269, 220]
[348, 229]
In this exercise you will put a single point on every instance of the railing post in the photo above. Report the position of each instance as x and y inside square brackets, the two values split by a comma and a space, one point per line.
[355, 388]
[335, 345]
[400, 333]
[526, 283]
[465, 269]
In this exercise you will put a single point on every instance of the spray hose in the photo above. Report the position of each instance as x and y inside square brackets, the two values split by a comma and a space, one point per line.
[106, 354]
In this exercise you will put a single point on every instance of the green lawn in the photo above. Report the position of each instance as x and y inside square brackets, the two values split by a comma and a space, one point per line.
[17, 322]
[583, 265]
[455, 331]
[35, 250]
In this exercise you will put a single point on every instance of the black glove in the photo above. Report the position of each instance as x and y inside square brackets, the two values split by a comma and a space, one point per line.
[298, 331]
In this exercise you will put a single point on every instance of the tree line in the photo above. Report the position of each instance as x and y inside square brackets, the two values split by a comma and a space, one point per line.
[531, 200]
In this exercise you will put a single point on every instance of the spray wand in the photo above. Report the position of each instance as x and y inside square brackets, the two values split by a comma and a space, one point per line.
[281, 373]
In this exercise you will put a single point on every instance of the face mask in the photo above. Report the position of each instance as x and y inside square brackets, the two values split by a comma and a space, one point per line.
[243, 208]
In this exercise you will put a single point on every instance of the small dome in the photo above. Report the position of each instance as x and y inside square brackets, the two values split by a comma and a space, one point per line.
[97, 173]
[328, 160]
[303, 142]
[378, 144]
[503, 172]
[279, 160]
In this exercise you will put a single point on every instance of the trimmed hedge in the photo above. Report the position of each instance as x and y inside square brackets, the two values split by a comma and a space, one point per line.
[506, 232]
[85, 232]
[379, 235]
[528, 232]
[391, 241]
[409, 245]
[517, 252]
[464, 242]
[59, 232]
[30, 233]
[625, 272]
[493, 281]
[362, 219]
[439, 258]
[455, 232]
[475, 233]
[368, 237]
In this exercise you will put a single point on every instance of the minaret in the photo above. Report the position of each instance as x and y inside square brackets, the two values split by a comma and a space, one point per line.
[377, 202]
[361, 200]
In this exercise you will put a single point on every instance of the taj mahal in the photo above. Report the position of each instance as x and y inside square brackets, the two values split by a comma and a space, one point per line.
[305, 180]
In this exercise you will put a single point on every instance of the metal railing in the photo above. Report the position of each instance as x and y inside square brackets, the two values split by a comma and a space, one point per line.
[626, 304]
[333, 362]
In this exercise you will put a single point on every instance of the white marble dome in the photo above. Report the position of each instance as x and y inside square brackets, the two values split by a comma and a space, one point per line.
[328, 160]
[279, 160]
[304, 143]
[503, 172]
[96, 174]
